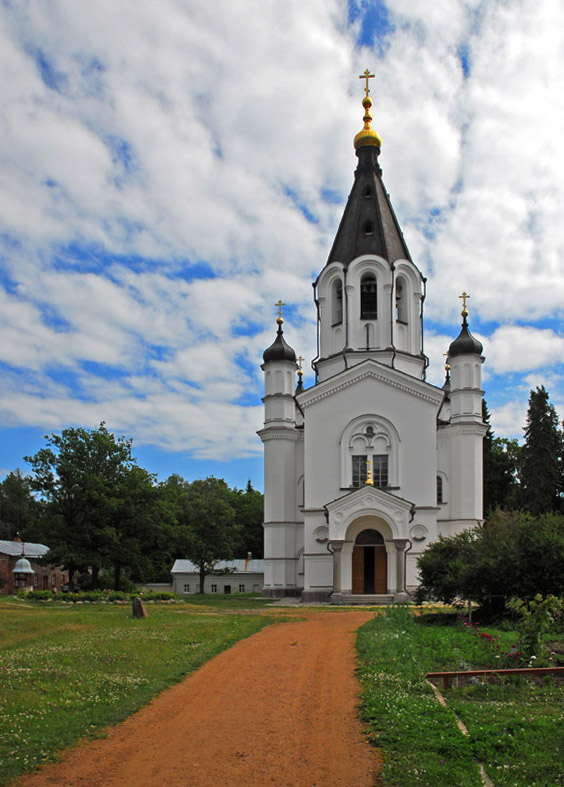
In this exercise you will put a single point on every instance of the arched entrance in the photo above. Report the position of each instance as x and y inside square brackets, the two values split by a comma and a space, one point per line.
[369, 564]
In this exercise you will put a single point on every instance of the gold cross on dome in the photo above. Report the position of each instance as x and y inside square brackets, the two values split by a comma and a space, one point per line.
[464, 296]
[367, 75]
[300, 359]
[280, 303]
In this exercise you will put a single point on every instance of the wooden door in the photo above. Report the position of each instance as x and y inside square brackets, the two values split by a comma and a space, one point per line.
[380, 570]
[358, 570]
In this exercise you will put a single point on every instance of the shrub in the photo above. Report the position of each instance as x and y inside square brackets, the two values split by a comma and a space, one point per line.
[512, 554]
[535, 619]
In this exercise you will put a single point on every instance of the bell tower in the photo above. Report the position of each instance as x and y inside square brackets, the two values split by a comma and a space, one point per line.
[369, 295]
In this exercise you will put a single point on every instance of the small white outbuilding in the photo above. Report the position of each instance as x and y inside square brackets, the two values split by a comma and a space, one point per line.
[229, 576]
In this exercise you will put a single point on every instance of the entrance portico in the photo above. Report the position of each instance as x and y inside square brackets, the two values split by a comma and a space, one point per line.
[367, 536]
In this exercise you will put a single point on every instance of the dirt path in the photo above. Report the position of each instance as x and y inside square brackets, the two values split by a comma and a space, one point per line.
[278, 709]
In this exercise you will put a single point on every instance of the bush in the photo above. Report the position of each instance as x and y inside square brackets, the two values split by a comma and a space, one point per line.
[97, 595]
[512, 554]
[535, 619]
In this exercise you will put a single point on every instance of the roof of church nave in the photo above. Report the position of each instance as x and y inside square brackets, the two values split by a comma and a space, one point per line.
[369, 224]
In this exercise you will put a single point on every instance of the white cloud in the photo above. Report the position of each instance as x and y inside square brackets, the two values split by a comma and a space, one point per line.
[159, 163]
[514, 348]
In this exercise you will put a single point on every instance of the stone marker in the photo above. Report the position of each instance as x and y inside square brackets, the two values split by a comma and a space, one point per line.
[137, 608]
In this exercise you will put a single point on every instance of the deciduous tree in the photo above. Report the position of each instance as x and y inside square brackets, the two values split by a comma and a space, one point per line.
[208, 530]
[512, 554]
[97, 500]
[19, 511]
[249, 518]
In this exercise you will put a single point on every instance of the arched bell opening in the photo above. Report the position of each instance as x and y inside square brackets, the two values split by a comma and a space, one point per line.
[369, 564]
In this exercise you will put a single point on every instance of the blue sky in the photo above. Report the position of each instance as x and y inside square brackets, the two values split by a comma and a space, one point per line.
[170, 170]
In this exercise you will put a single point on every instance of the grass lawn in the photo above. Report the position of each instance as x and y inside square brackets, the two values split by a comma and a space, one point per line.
[516, 730]
[67, 671]
[227, 600]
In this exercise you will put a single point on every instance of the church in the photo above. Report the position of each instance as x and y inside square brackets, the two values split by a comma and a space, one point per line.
[371, 464]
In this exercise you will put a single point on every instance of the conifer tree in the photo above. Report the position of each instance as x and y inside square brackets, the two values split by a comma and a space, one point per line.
[501, 465]
[541, 466]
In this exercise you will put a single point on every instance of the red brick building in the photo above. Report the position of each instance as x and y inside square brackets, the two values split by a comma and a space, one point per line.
[43, 577]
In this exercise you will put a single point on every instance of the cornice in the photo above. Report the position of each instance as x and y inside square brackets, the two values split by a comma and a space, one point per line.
[279, 433]
[387, 376]
[454, 430]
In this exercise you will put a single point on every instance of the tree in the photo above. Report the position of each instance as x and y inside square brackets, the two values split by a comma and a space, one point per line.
[19, 511]
[249, 518]
[541, 466]
[208, 531]
[97, 500]
[512, 554]
[501, 466]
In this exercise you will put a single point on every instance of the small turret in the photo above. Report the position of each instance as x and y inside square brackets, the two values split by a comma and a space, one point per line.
[465, 343]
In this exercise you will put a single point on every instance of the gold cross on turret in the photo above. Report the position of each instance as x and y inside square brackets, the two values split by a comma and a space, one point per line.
[367, 75]
[447, 364]
[300, 370]
[464, 297]
[280, 303]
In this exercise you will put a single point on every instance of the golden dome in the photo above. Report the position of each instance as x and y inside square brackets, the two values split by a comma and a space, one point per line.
[367, 136]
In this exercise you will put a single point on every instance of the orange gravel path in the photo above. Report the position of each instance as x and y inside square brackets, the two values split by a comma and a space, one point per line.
[278, 708]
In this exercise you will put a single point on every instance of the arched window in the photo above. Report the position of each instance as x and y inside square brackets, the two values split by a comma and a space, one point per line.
[401, 299]
[368, 297]
[369, 441]
[440, 489]
[367, 191]
[368, 227]
[337, 303]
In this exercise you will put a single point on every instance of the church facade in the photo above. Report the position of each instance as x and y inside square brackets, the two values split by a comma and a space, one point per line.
[372, 463]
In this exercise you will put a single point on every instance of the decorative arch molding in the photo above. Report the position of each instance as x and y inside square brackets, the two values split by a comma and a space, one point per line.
[410, 273]
[369, 263]
[370, 435]
[369, 522]
[351, 514]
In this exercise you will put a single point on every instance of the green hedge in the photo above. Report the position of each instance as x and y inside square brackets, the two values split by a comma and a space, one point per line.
[96, 596]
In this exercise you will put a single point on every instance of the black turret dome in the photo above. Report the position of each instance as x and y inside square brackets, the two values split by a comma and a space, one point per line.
[279, 350]
[465, 343]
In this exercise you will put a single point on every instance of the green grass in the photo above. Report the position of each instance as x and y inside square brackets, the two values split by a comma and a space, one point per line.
[67, 671]
[516, 730]
[228, 600]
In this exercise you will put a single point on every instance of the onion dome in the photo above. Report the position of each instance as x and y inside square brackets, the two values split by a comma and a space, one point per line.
[367, 136]
[23, 566]
[279, 350]
[465, 343]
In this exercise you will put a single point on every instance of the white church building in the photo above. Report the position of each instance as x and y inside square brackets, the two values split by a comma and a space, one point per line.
[368, 466]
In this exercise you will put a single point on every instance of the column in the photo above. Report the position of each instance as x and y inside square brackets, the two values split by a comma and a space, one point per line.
[401, 544]
[336, 546]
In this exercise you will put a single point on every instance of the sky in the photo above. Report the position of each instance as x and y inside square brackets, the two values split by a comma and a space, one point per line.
[169, 170]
